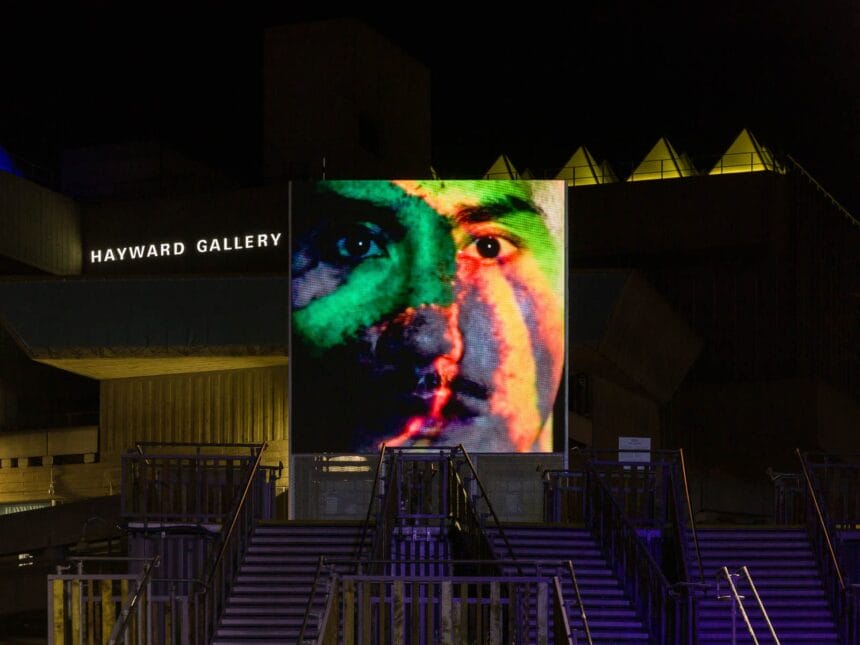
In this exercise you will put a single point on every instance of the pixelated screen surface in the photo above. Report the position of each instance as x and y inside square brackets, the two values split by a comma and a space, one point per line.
[427, 313]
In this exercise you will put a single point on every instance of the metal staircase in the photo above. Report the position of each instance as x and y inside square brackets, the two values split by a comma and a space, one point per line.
[612, 617]
[273, 585]
[782, 563]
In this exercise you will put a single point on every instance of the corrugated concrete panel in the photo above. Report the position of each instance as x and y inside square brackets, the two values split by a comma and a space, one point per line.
[236, 406]
[70, 482]
[39, 227]
[49, 443]
[225, 316]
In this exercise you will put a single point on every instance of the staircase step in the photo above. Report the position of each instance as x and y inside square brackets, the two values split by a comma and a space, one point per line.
[261, 609]
[784, 571]
[270, 596]
[611, 616]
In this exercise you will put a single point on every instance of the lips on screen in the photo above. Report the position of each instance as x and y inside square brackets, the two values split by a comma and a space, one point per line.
[427, 313]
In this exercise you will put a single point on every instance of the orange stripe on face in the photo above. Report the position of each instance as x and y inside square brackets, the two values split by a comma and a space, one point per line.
[411, 430]
[446, 366]
[548, 311]
[514, 396]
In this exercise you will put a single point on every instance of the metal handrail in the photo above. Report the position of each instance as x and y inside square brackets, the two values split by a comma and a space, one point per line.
[387, 510]
[366, 526]
[330, 607]
[632, 529]
[823, 525]
[489, 504]
[470, 587]
[196, 444]
[224, 540]
[311, 595]
[842, 210]
[579, 604]
[140, 452]
[235, 515]
[667, 458]
[116, 635]
[558, 595]
[760, 604]
[728, 576]
[692, 521]
[159, 487]
[844, 457]
[668, 592]
[538, 566]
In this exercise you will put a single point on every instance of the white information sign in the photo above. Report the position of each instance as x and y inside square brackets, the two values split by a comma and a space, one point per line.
[634, 449]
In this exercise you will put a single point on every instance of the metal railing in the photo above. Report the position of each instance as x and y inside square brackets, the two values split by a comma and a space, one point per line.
[322, 569]
[789, 498]
[371, 504]
[133, 611]
[106, 607]
[438, 491]
[666, 168]
[682, 499]
[738, 605]
[578, 594]
[564, 496]
[167, 483]
[852, 619]
[562, 631]
[639, 480]
[651, 488]
[444, 609]
[837, 480]
[664, 612]
[330, 620]
[842, 210]
[467, 514]
[249, 505]
[821, 532]
[741, 162]
[431, 487]
[670, 168]
[422, 489]
[389, 505]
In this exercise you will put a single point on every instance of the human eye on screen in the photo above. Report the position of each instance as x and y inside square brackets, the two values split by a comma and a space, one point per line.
[490, 248]
[354, 242]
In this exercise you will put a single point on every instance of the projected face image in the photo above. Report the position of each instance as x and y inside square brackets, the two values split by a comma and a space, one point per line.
[427, 313]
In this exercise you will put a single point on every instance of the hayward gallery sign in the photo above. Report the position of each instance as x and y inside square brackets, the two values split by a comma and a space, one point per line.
[202, 246]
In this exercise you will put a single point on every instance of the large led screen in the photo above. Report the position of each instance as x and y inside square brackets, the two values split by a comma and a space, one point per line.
[427, 313]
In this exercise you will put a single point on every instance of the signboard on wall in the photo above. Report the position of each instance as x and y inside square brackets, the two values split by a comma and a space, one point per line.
[428, 313]
[225, 231]
[634, 449]
[204, 245]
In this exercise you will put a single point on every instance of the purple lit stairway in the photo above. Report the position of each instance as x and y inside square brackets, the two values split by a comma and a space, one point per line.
[268, 601]
[611, 616]
[783, 569]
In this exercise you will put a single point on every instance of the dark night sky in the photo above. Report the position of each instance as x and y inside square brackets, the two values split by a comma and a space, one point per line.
[614, 76]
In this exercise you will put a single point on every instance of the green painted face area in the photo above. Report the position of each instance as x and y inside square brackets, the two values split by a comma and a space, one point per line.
[513, 203]
[414, 267]
[530, 234]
